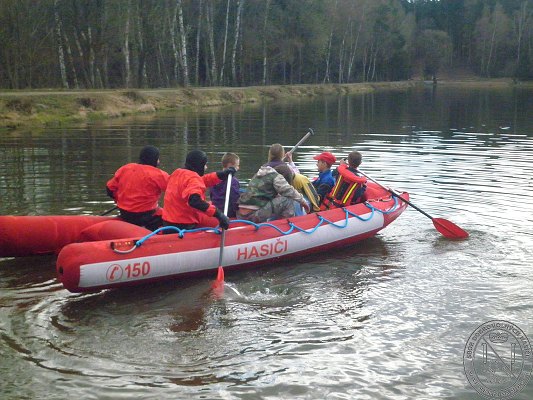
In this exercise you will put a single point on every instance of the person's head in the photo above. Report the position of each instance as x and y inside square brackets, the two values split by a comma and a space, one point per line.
[149, 156]
[276, 152]
[196, 161]
[286, 171]
[230, 160]
[324, 161]
[354, 159]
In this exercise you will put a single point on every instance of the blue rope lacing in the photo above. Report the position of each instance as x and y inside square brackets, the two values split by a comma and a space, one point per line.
[292, 227]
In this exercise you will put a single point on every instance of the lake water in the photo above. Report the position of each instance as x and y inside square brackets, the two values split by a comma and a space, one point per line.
[386, 319]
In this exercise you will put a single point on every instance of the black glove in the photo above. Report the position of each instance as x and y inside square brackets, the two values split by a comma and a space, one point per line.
[222, 219]
[110, 193]
[222, 175]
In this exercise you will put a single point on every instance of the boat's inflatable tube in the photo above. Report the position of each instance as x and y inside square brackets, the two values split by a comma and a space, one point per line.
[33, 235]
[112, 229]
[93, 266]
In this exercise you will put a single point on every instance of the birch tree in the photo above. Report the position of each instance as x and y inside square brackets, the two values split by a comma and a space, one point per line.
[173, 41]
[198, 36]
[183, 42]
[235, 41]
[522, 19]
[59, 39]
[211, 40]
[223, 64]
[330, 41]
[126, 47]
[265, 22]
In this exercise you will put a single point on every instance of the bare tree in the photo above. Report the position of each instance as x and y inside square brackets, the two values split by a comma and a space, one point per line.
[71, 60]
[198, 36]
[174, 45]
[235, 42]
[59, 39]
[522, 17]
[265, 22]
[211, 39]
[126, 47]
[183, 42]
[225, 44]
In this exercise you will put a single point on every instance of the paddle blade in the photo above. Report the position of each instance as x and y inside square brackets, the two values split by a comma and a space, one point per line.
[220, 278]
[218, 285]
[449, 229]
[220, 275]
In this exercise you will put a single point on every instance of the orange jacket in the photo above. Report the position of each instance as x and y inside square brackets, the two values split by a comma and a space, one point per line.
[137, 187]
[182, 184]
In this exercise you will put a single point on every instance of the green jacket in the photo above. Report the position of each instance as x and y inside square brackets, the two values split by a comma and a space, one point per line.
[265, 186]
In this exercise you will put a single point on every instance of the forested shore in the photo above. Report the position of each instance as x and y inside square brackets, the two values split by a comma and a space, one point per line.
[112, 44]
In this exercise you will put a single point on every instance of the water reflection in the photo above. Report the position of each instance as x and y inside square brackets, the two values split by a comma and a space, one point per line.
[386, 318]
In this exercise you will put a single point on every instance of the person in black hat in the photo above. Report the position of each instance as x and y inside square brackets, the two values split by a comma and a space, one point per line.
[185, 202]
[137, 187]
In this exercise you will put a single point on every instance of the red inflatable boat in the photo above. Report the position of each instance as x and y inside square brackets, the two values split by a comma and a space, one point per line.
[138, 259]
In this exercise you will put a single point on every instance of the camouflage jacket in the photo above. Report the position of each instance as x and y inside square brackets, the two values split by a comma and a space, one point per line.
[265, 186]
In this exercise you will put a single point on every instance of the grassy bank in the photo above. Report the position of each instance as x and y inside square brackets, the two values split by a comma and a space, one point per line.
[51, 107]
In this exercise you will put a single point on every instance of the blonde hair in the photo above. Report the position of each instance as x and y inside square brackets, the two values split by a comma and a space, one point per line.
[229, 158]
[276, 152]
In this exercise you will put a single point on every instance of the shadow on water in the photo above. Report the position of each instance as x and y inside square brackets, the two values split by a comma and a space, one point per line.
[26, 272]
[275, 291]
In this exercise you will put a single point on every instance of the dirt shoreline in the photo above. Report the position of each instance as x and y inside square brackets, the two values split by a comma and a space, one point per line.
[39, 108]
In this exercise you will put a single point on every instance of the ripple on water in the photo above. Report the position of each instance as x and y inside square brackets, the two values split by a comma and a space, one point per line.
[387, 318]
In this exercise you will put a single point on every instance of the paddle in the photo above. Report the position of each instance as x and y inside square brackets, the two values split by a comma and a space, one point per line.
[445, 227]
[109, 211]
[219, 282]
[309, 133]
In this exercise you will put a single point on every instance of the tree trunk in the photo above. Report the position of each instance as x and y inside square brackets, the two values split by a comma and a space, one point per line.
[162, 67]
[221, 79]
[209, 20]
[491, 48]
[183, 41]
[300, 63]
[71, 60]
[341, 56]
[328, 53]
[354, 47]
[92, 71]
[522, 22]
[326, 75]
[175, 51]
[60, 52]
[235, 42]
[265, 64]
[142, 73]
[126, 47]
[198, 35]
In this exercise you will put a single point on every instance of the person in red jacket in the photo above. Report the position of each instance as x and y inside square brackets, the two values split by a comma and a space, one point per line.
[349, 186]
[137, 187]
[185, 203]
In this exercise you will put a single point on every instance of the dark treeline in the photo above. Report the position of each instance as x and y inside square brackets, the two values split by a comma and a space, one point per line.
[169, 43]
